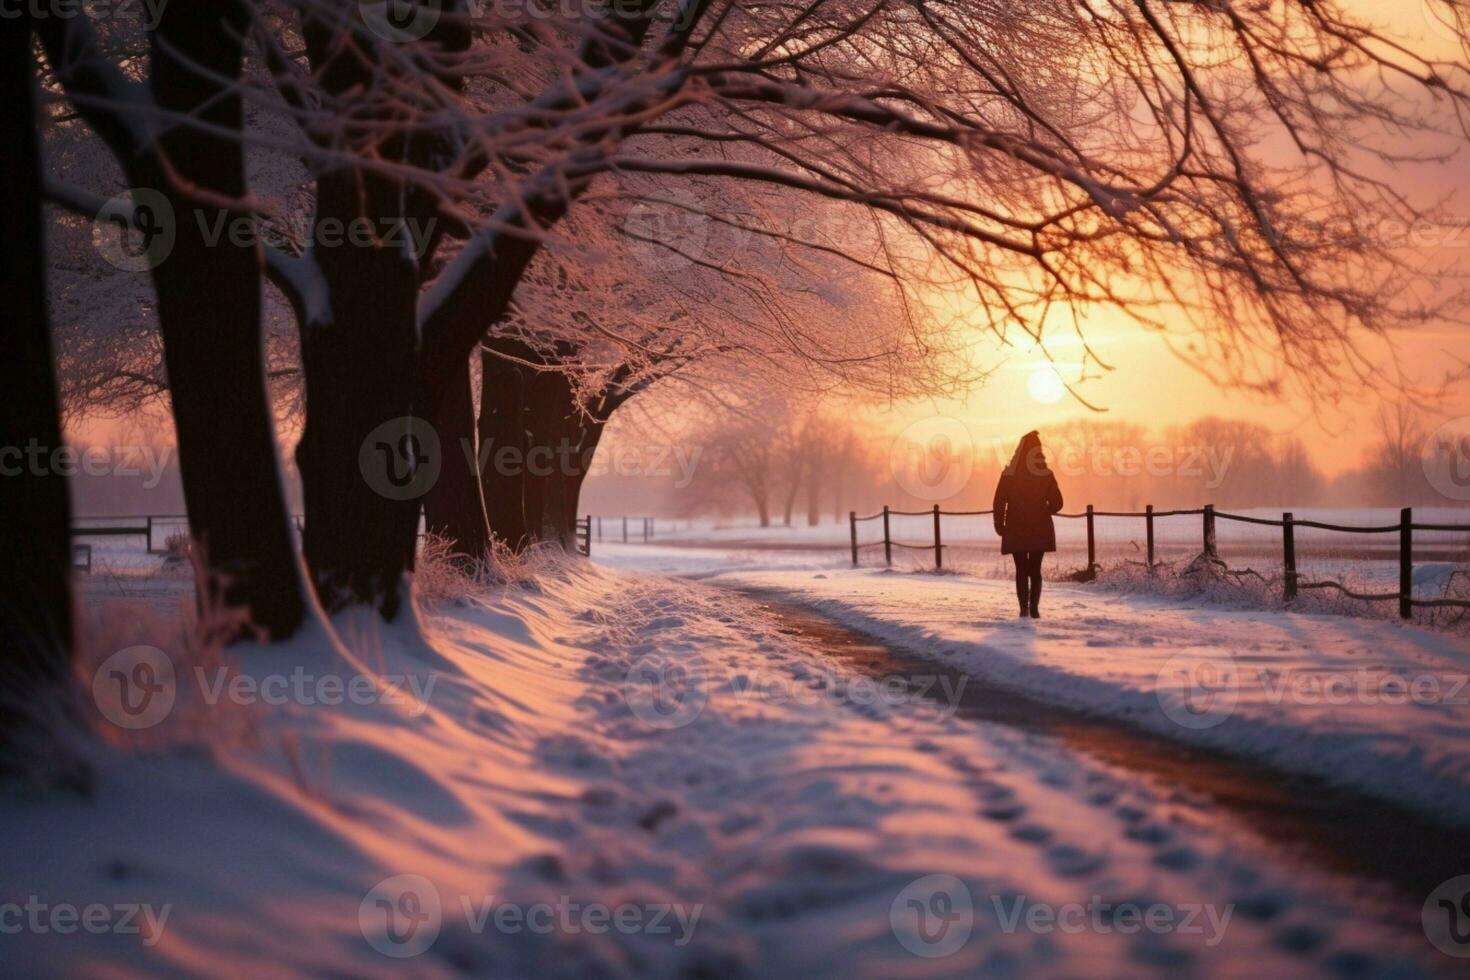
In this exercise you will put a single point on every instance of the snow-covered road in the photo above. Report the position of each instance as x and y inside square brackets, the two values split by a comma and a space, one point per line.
[618, 773]
[1377, 706]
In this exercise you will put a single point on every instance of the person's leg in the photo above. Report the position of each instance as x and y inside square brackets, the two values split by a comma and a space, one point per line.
[1035, 576]
[1023, 579]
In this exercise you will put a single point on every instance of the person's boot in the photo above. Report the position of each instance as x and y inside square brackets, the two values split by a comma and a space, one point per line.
[1023, 596]
[1035, 600]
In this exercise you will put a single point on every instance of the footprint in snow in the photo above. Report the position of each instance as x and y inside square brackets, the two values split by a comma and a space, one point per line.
[1073, 862]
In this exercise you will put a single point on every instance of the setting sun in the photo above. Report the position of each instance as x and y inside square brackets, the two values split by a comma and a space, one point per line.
[1045, 385]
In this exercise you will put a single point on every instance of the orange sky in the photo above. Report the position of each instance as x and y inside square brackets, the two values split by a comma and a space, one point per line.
[1150, 386]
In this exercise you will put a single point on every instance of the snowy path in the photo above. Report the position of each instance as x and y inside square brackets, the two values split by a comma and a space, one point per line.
[627, 741]
[1376, 706]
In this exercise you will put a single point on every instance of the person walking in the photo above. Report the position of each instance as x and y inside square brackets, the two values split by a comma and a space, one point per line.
[1025, 499]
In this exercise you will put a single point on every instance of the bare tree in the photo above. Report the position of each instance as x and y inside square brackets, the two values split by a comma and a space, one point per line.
[35, 550]
[222, 417]
[1030, 162]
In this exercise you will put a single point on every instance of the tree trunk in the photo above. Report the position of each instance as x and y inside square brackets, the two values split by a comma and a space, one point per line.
[366, 459]
[209, 309]
[503, 448]
[35, 552]
[788, 506]
[455, 506]
[539, 445]
[813, 497]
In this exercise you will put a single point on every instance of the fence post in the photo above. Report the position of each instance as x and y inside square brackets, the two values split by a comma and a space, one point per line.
[588, 552]
[645, 530]
[599, 527]
[1406, 563]
[1288, 544]
[1148, 513]
[887, 540]
[652, 528]
[148, 546]
[625, 529]
[938, 545]
[1091, 545]
[1210, 546]
[852, 522]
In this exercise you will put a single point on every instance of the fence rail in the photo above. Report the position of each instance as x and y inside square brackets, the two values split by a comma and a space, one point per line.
[1292, 583]
[143, 530]
[583, 536]
[645, 527]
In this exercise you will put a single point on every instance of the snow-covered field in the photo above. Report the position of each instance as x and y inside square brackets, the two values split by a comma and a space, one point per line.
[1364, 562]
[632, 768]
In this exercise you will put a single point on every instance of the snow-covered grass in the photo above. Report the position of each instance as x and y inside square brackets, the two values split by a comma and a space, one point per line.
[597, 772]
[1253, 575]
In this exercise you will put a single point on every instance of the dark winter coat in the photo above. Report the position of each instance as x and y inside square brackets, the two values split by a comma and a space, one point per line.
[1024, 502]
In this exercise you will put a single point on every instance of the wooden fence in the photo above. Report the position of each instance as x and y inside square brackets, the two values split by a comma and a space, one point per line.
[143, 530]
[1292, 582]
[645, 527]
